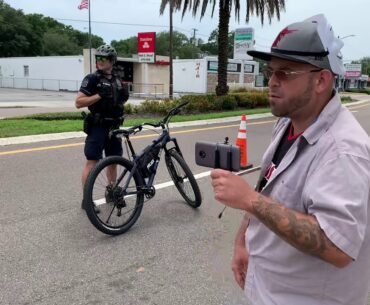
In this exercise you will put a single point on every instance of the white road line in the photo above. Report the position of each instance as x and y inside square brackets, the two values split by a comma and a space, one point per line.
[197, 177]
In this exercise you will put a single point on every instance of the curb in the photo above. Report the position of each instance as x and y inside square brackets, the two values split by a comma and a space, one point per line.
[80, 134]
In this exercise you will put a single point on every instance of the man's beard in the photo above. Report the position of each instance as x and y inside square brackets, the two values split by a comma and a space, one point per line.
[293, 104]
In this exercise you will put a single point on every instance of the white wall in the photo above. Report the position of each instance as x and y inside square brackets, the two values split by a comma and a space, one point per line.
[48, 72]
[190, 75]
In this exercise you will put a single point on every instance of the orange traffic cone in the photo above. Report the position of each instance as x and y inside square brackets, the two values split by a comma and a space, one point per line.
[241, 141]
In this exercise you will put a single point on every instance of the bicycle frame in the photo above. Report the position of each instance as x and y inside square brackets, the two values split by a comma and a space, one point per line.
[163, 139]
[125, 193]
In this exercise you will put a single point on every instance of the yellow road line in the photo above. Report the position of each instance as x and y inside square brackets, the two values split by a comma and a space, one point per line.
[26, 150]
[19, 151]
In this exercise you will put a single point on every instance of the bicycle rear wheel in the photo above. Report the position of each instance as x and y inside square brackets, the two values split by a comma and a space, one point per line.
[119, 208]
[183, 178]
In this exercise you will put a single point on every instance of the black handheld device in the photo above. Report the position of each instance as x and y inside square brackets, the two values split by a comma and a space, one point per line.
[218, 155]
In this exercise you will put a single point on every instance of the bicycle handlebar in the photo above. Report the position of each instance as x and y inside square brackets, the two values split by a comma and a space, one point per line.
[172, 112]
[138, 128]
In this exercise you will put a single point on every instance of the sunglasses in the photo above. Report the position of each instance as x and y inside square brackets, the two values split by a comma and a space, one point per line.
[101, 58]
[283, 75]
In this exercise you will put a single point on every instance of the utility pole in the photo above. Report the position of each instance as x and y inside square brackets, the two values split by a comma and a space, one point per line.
[90, 37]
[171, 68]
[194, 41]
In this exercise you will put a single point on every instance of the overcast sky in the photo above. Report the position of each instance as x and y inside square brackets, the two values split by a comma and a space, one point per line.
[132, 16]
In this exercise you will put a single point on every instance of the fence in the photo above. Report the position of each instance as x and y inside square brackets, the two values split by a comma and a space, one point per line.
[40, 84]
[148, 90]
[136, 89]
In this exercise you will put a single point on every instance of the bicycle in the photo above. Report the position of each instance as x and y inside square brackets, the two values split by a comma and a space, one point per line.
[118, 185]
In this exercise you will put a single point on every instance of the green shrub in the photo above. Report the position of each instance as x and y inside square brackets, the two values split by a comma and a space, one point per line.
[227, 102]
[156, 107]
[251, 99]
[197, 103]
[243, 100]
[346, 98]
[129, 108]
[53, 116]
[201, 103]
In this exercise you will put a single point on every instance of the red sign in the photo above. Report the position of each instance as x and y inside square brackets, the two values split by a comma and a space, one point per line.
[146, 42]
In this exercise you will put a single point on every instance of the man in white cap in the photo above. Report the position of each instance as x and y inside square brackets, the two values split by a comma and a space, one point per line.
[305, 237]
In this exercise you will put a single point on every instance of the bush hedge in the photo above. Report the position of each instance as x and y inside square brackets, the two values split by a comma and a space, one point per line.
[197, 104]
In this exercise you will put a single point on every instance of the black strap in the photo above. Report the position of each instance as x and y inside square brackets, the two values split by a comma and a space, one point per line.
[300, 53]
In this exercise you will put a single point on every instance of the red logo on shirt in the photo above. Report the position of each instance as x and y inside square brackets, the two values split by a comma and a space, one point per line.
[270, 170]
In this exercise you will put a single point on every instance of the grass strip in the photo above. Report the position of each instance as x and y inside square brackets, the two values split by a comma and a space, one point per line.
[72, 121]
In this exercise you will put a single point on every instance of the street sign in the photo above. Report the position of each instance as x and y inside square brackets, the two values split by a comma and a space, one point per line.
[243, 41]
[146, 47]
[353, 70]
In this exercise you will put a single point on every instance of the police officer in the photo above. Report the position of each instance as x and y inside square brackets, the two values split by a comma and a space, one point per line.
[104, 94]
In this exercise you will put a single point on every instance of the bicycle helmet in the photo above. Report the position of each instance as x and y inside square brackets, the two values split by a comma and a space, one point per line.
[107, 51]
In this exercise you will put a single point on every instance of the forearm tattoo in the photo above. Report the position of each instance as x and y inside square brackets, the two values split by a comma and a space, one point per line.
[300, 230]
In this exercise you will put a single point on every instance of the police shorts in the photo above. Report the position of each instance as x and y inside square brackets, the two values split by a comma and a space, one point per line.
[98, 141]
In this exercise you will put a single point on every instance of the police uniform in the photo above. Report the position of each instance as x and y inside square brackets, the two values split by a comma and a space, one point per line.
[106, 114]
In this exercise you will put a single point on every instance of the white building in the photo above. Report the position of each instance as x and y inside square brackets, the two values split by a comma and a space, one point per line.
[46, 72]
[66, 73]
[200, 75]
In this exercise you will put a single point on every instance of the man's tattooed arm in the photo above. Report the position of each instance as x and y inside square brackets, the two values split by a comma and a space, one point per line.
[299, 230]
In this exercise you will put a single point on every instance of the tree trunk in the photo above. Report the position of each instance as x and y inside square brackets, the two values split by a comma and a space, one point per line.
[223, 36]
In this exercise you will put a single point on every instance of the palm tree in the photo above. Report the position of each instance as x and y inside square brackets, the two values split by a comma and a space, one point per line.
[258, 7]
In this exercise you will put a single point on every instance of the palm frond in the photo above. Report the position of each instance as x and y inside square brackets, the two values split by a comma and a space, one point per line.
[262, 8]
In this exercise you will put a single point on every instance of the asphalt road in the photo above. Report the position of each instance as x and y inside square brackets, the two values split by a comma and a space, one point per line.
[51, 254]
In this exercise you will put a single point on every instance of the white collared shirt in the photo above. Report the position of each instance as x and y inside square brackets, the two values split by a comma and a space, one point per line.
[326, 173]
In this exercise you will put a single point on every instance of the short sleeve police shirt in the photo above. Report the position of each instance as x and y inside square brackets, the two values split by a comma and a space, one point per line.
[89, 84]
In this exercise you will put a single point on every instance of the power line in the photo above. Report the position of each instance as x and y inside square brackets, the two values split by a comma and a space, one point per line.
[129, 24]
[117, 23]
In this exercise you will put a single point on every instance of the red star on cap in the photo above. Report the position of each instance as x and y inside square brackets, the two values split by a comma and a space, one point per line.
[281, 35]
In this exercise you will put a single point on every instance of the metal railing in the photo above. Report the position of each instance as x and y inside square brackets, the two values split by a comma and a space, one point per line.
[40, 84]
[150, 90]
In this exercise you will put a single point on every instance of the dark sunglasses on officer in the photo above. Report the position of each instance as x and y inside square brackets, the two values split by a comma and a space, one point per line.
[101, 58]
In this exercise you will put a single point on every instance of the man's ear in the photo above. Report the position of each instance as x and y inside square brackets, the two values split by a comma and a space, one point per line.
[324, 81]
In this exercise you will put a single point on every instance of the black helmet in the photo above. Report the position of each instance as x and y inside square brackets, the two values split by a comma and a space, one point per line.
[107, 51]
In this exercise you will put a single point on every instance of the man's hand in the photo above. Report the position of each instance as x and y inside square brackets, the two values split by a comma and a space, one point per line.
[232, 190]
[105, 90]
[239, 265]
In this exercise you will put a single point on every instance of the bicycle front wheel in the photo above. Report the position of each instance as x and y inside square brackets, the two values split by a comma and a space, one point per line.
[110, 206]
[183, 178]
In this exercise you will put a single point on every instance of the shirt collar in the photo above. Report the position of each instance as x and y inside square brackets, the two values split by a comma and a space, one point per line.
[323, 122]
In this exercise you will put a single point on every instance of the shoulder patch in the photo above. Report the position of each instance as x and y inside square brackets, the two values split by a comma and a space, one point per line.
[85, 82]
